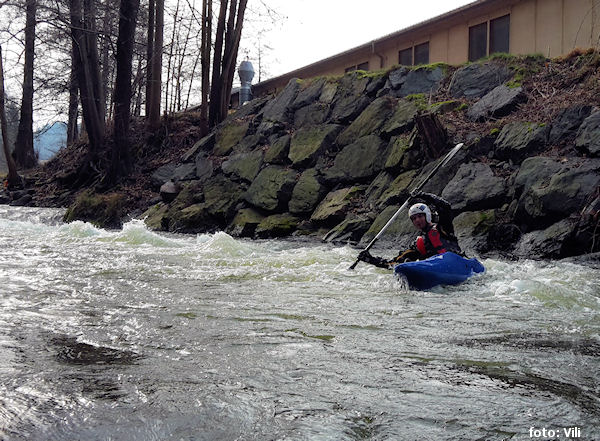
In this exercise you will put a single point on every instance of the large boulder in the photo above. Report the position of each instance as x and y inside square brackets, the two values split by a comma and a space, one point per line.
[474, 187]
[401, 232]
[398, 190]
[307, 193]
[536, 170]
[403, 153]
[499, 102]
[588, 136]
[309, 92]
[358, 161]
[402, 120]
[278, 151]
[475, 80]
[277, 225]
[350, 98]
[310, 142]
[228, 136]
[204, 166]
[567, 122]
[280, 108]
[244, 166]
[472, 228]
[369, 121]
[335, 205]
[519, 140]
[549, 243]
[205, 144]
[245, 222]
[311, 115]
[559, 195]
[350, 230]
[272, 188]
[424, 80]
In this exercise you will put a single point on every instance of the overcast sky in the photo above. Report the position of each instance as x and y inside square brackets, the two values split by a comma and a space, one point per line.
[316, 29]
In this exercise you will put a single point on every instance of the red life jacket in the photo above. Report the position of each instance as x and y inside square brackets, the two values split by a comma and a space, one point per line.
[431, 242]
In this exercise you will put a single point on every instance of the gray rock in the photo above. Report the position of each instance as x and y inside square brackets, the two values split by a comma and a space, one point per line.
[402, 120]
[278, 151]
[280, 108]
[277, 225]
[397, 77]
[421, 80]
[206, 144]
[244, 165]
[185, 172]
[500, 101]
[588, 136]
[204, 167]
[358, 161]
[245, 222]
[535, 171]
[560, 194]
[311, 115]
[547, 243]
[272, 188]
[474, 187]
[309, 94]
[567, 122]
[163, 174]
[250, 108]
[310, 142]
[335, 205]
[401, 232]
[369, 121]
[307, 193]
[475, 80]
[519, 140]
[472, 228]
[228, 136]
[350, 230]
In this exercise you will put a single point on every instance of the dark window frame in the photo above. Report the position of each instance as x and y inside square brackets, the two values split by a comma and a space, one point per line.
[415, 54]
[500, 35]
[491, 36]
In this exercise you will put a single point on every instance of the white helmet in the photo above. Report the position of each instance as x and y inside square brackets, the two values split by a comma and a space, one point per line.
[420, 209]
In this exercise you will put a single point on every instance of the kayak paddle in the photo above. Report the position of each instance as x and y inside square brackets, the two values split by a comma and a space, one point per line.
[446, 159]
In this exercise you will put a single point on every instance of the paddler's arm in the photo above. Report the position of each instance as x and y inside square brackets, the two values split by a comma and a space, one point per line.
[444, 210]
[380, 262]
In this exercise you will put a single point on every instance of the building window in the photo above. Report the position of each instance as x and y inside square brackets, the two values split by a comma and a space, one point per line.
[405, 57]
[499, 34]
[478, 41]
[361, 66]
[421, 55]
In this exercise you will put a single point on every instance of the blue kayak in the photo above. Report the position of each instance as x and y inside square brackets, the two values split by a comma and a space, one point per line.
[443, 269]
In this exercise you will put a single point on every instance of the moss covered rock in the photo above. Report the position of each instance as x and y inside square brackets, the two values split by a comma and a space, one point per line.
[272, 188]
[308, 143]
[403, 153]
[277, 225]
[245, 222]
[369, 121]
[336, 204]
[102, 210]
[402, 120]
[398, 190]
[519, 140]
[244, 165]
[228, 136]
[278, 151]
[307, 192]
[358, 161]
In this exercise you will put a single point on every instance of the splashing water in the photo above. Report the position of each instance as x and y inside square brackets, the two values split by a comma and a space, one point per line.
[136, 335]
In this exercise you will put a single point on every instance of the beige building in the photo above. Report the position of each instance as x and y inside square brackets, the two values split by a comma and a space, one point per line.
[548, 27]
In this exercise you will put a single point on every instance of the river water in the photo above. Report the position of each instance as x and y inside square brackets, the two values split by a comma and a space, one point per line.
[134, 335]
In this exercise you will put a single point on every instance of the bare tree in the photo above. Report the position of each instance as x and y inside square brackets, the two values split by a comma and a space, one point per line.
[155, 79]
[23, 153]
[121, 155]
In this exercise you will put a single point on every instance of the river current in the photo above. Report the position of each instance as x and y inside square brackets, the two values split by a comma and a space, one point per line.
[135, 335]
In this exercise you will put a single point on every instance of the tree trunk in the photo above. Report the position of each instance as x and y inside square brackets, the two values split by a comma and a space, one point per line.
[88, 78]
[215, 90]
[155, 95]
[13, 177]
[432, 133]
[24, 154]
[121, 155]
[72, 132]
[149, 55]
[205, 59]
[224, 61]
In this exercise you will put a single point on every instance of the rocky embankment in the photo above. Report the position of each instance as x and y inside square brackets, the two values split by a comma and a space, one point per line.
[335, 157]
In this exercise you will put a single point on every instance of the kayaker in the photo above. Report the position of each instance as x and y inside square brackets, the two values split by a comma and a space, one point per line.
[435, 238]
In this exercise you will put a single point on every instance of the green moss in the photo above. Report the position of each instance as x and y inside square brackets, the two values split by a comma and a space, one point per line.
[187, 315]
[463, 107]
[419, 99]
[369, 74]
[102, 210]
[494, 131]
